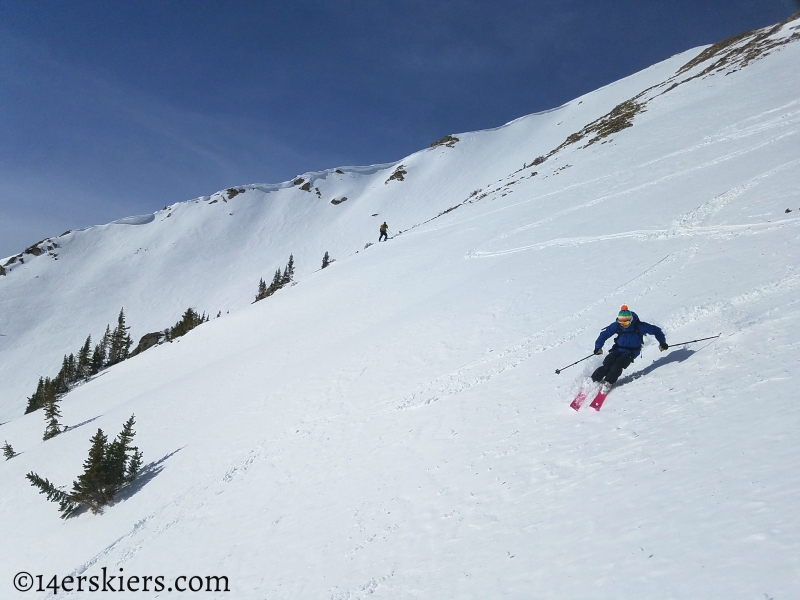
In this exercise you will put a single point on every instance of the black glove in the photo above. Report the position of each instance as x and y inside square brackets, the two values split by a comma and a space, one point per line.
[663, 347]
[599, 351]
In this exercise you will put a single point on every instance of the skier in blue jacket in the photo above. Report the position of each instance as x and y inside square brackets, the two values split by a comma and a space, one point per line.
[630, 332]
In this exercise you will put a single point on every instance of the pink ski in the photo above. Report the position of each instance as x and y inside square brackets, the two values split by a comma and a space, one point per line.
[600, 398]
[578, 401]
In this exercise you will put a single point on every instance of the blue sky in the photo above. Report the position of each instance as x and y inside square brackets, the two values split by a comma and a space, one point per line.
[109, 108]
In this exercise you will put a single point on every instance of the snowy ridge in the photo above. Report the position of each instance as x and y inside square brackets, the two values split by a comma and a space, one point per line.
[391, 426]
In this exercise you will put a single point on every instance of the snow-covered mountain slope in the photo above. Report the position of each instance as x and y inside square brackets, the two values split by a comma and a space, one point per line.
[392, 426]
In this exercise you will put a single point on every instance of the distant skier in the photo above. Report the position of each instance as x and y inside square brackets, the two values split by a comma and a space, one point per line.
[384, 232]
[630, 332]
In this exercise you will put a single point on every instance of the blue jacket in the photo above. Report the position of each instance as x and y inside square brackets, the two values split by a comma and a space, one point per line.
[629, 339]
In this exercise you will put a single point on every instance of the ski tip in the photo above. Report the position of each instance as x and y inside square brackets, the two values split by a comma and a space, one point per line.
[597, 403]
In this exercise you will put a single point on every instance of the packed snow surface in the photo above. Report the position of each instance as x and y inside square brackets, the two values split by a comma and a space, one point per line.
[392, 426]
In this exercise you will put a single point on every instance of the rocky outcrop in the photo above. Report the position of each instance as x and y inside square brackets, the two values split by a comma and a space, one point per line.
[148, 341]
[448, 141]
[398, 175]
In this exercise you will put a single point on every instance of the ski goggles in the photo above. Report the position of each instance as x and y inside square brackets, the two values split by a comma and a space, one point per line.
[624, 321]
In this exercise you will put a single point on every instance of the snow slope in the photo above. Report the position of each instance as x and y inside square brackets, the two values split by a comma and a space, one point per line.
[392, 426]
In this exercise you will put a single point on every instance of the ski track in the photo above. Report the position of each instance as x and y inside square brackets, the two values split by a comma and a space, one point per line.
[476, 373]
[701, 214]
[636, 188]
[172, 513]
[697, 313]
[114, 555]
[109, 549]
[788, 119]
[580, 458]
[362, 591]
[689, 253]
[719, 232]
[733, 132]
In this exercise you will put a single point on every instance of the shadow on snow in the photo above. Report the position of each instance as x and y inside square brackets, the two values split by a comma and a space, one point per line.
[146, 474]
[673, 357]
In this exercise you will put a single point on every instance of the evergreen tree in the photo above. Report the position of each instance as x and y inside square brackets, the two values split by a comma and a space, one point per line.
[189, 321]
[121, 466]
[105, 345]
[36, 401]
[326, 260]
[108, 468]
[91, 488]
[8, 451]
[134, 465]
[276, 283]
[262, 290]
[72, 370]
[65, 504]
[62, 379]
[98, 359]
[84, 366]
[51, 415]
[121, 341]
[288, 272]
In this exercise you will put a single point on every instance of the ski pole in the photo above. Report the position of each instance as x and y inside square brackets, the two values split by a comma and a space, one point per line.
[713, 337]
[575, 363]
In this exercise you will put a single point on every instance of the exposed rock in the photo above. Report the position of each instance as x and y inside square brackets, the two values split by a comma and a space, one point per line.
[620, 117]
[335, 201]
[444, 212]
[306, 187]
[340, 172]
[448, 140]
[398, 174]
[148, 341]
[2, 271]
[233, 192]
[34, 249]
[298, 181]
[740, 50]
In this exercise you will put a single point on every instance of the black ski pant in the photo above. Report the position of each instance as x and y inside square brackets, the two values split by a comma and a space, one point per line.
[612, 367]
[383, 236]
